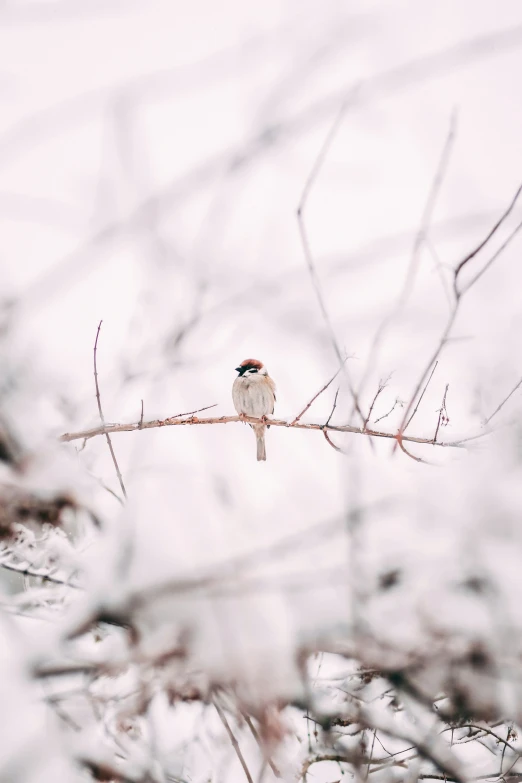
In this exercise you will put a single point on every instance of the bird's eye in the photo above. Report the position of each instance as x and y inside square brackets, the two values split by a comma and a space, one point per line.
[253, 369]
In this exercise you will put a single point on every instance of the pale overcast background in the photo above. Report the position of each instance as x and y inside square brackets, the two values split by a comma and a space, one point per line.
[152, 158]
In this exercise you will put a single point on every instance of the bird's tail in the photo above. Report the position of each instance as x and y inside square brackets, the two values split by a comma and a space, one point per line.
[260, 441]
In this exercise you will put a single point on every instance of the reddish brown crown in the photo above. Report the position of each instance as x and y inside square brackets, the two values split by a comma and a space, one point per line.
[251, 363]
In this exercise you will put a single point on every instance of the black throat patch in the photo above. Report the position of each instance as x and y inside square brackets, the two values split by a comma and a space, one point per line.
[245, 368]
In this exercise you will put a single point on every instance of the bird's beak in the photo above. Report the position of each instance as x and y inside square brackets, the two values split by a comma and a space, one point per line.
[237, 369]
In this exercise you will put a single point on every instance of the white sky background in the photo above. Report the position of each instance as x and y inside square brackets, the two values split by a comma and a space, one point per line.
[103, 106]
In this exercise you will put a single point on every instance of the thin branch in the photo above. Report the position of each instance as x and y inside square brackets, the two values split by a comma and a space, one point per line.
[381, 386]
[421, 70]
[194, 421]
[499, 408]
[234, 742]
[257, 738]
[332, 444]
[439, 269]
[458, 298]
[371, 753]
[191, 413]
[141, 417]
[484, 242]
[102, 418]
[420, 398]
[443, 414]
[27, 569]
[493, 258]
[409, 454]
[319, 758]
[420, 238]
[332, 379]
[385, 416]
[333, 408]
[316, 284]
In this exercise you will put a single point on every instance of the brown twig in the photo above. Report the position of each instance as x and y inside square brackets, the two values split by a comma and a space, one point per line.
[332, 444]
[141, 417]
[332, 379]
[102, 418]
[409, 454]
[380, 387]
[420, 398]
[385, 416]
[371, 754]
[499, 408]
[443, 414]
[194, 421]
[234, 742]
[316, 284]
[334, 406]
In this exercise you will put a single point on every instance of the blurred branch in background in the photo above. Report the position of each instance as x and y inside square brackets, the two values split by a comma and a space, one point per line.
[381, 85]
[211, 628]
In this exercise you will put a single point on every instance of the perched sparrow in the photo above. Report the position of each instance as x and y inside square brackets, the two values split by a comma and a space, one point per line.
[253, 393]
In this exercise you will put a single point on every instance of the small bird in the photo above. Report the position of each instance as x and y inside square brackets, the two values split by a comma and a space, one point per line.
[253, 393]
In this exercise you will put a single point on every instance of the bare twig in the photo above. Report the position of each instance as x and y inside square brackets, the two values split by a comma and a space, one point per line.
[439, 269]
[234, 742]
[371, 753]
[420, 398]
[141, 417]
[195, 421]
[332, 379]
[102, 418]
[385, 416]
[322, 757]
[310, 181]
[458, 298]
[330, 441]
[409, 454]
[28, 569]
[499, 408]
[257, 738]
[380, 387]
[481, 245]
[443, 414]
[419, 240]
[334, 406]
[191, 413]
